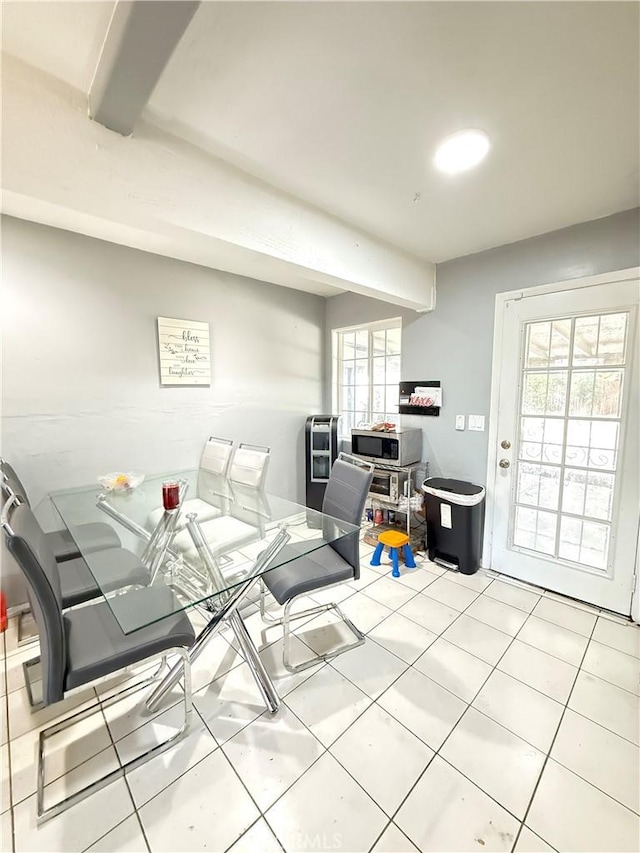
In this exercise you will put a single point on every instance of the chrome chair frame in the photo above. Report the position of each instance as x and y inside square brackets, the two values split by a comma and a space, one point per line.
[287, 618]
[44, 814]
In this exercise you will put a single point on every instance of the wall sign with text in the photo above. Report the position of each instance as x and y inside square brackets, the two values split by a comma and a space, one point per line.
[184, 350]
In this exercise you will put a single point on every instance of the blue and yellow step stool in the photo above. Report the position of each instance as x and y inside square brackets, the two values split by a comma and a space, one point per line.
[394, 539]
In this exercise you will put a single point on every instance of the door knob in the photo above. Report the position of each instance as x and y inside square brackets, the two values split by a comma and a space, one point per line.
[504, 463]
[505, 445]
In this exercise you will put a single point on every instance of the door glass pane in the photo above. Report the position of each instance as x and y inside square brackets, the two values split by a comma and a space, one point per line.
[569, 437]
[544, 393]
[535, 530]
[592, 444]
[538, 485]
[600, 340]
[585, 542]
[588, 493]
[596, 393]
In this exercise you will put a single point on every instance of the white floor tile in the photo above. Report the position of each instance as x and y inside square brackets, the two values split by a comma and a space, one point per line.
[283, 680]
[572, 602]
[429, 613]
[521, 709]
[513, 595]
[404, 638]
[572, 815]
[5, 791]
[393, 841]
[15, 672]
[365, 612]
[127, 714]
[324, 635]
[573, 618]
[334, 594]
[6, 832]
[478, 639]
[127, 837]
[64, 751]
[624, 638]
[529, 842]
[418, 579]
[327, 703]
[611, 665]
[370, 667]
[367, 576]
[328, 808]
[424, 707]
[216, 658]
[230, 703]
[556, 641]
[257, 839]
[451, 594]
[604, 703]
[502, 764]
[151, 777]
[22, 720]
[206, 809]
[505, 618]
[78, 827]
[605, 760]
[453, 668]
[390, 593]
[84, 774]
[539, 670]
[383, 756]
[271, 754]
[477, 582]
[445, 811]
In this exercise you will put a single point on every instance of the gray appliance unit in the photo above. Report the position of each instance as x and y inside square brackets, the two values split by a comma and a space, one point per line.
[321, 451]
[401, 447]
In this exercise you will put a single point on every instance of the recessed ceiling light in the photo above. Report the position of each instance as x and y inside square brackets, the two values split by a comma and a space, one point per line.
[461, 151]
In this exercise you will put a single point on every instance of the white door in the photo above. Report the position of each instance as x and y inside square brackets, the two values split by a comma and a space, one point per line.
[565, 493]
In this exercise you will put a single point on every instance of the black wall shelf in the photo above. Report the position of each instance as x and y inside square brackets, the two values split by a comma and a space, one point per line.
[407, 389]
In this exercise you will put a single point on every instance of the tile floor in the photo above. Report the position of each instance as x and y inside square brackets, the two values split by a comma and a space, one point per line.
[480, 715]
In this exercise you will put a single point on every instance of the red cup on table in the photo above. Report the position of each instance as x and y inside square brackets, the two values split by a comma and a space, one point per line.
[171, 494]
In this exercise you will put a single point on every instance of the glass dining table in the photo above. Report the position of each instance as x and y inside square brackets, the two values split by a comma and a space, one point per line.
[210, 551]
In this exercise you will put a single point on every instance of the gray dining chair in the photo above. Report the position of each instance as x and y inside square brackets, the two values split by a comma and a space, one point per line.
[329, 565]
[97, 535]
[88, 643]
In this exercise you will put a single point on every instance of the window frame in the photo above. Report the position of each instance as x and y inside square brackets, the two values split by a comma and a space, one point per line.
[337, 364]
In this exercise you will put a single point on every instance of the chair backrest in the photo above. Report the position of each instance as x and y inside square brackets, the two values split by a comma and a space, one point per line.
[10, 481]
[216, 455]
[344, 498]
[27, 543]
[249, 465]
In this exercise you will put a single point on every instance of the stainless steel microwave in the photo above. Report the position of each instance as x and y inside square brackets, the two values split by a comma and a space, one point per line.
[402, 447]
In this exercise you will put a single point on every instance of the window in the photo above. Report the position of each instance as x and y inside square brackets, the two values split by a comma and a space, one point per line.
[367, 373]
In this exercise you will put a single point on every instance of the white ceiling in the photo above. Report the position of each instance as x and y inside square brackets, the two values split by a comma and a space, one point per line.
[342, 104]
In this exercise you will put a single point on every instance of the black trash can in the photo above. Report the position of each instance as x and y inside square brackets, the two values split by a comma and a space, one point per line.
[455, 523]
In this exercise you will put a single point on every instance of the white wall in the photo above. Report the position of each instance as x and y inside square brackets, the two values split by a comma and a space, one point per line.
[81, 391]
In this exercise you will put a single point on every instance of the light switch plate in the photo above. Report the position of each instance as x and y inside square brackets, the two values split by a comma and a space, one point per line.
[460, 421]
[476, 422]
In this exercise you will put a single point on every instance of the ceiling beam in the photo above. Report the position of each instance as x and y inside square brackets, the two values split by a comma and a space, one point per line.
[156, 192]
[141, 37]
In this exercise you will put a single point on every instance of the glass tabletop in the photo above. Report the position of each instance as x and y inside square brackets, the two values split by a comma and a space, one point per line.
[222, 536]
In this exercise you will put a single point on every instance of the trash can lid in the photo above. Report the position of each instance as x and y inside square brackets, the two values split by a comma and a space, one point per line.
[455, 491]
[460, 487]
